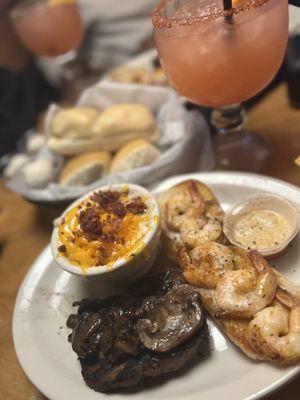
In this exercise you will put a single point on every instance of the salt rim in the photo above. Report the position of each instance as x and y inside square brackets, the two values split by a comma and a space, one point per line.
[161, 21]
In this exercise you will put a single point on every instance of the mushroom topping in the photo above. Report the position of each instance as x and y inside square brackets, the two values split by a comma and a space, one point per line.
[169, 320]
[108, 333]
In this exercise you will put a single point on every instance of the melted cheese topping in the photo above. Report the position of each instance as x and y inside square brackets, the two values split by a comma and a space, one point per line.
[261, 229]
[86, 253]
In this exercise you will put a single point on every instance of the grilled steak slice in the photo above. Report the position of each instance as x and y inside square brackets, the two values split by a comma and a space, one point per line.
[125, 339]
[103, 376]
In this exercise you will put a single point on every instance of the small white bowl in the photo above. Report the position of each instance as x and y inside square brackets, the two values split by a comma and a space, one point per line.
[258, 202]
[129, 267]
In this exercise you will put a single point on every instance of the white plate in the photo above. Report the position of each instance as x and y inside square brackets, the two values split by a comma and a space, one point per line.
[45, 301]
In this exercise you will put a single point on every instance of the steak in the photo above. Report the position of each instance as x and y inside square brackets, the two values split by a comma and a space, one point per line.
[124, 339]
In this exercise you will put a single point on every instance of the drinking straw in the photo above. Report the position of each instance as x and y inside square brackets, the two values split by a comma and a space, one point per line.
[227, 6]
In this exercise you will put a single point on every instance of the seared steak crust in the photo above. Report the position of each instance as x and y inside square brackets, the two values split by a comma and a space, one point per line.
[125, 339]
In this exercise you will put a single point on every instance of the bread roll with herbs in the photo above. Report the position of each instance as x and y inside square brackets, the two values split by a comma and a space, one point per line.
[85, 169]
[135, 154]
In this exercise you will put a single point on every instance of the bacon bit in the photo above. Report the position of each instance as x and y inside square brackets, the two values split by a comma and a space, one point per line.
[108, 237]
[136, 206]
[110, 202]
[107, 230]
[112, 237]
[104, 255]
[121, 240]
[117, 208]
[90, 224]
[106, 198]
[62, 248]
[114, 224]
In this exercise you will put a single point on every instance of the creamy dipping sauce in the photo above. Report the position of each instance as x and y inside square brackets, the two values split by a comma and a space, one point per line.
[261, 229]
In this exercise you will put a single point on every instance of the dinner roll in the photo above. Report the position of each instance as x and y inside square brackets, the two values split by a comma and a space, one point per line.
[74, 122]
[38, 173]
[35, 143]
[122, 123]
[71, 131]
[15, 163]
[135, 154]
[141, 75]
[85, 169]
[126, 74]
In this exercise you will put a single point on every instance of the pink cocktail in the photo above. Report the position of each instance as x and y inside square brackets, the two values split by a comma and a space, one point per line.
[218, 60]
[48, 28]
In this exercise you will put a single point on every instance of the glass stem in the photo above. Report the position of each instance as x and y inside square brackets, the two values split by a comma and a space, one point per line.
[228, 119]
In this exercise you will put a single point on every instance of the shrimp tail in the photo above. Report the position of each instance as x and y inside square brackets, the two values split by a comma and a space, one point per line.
[287, 286]
[222, 314]
[258, 261]
[195, 193]
[286, 298]
[183, 258]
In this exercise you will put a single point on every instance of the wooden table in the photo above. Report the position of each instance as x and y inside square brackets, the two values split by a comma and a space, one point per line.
[25, 231]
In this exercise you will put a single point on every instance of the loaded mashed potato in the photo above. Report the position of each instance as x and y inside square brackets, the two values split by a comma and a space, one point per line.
[103, 228]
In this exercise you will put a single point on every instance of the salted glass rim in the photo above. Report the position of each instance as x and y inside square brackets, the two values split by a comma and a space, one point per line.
[161, 21]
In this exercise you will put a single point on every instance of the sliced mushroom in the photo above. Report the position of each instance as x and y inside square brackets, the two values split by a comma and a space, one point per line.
[84, 334]
[169, 320]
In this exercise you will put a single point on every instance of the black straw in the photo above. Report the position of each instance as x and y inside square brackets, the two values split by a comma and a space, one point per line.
[227, 6]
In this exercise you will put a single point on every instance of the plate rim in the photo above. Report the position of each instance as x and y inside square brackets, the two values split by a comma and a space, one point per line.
[168, 182]
[35, 266]
[245, 175]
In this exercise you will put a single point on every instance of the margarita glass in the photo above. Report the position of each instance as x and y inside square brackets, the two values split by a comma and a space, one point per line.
[219, 59]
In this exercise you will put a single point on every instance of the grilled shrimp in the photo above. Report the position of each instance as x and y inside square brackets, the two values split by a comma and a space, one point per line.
[206, 264]
[275, 331]
[196, 221]
[188, 204]
[206, 228]
[242, 293]
[194, 232]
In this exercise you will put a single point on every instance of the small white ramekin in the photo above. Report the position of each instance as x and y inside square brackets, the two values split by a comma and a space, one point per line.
[263, 201]
[126, 269]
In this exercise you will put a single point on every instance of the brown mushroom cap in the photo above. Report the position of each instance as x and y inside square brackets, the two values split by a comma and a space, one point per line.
[170, 320]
